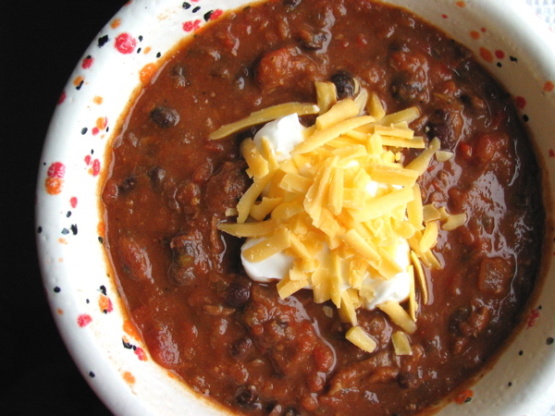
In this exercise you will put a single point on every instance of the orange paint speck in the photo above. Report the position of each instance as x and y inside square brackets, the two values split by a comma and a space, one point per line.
[53, 186]
[461, 3]
[98, 100]
[129, 329]
[549, 86]
[147, 50]
[101, 228]
[78, 81]
[101, 123]
[105, 304]
[474, 34]
[128, 377]
[486, 54]
[60, 311]
[147, 72]
[62, 240]
[115, 23]
[464, 396]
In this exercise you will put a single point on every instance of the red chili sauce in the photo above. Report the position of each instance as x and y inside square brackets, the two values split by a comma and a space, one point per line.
[182, 281]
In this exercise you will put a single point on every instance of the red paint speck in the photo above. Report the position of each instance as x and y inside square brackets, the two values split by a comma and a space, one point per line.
[499, 54]
[551, 153]
[139, 352]
[56, 170]
[532, 318]
[444, 16]
[464, 396]
[192, 25]
[520, 102]
[95, 167]
[95, 131]
[486, 54]
[88, 159]
[87, 62]
[549, 86]
[83, 320]
[73, 202]
[125, 43]
[62, 97]
[216, 13]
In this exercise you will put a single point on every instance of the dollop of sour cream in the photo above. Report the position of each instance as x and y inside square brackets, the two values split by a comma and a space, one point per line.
[283, 135]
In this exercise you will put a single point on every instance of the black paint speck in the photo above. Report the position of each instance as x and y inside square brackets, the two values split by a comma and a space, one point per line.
[103, 40]
[510, 384]
[57, 289]
[39, 229]
[92, 374]
[65, 231]
[139, 50]
[525, 118]
[513, 59]
[68, 214]
[140, 38]
[207, 15]
[127, 345]
[499, 64]
[87, 301]
[158, 55]
[549, 341]
[103, 290]
[74, 229]
[100, 240]
[78, 87]
[521, 353]
[84, 130]
[540, 307]
[196, 9]
[186, 5]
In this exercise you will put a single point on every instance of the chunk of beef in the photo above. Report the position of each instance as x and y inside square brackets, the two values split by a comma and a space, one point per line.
[226, 186]
[281, 67]
[282, 329]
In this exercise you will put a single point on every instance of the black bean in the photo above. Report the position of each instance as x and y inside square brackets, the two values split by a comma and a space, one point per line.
[313, 40]
[128, 184]
[291, 4]
[239, 292]
[344, 84]
[156, 175]
[164, 116]
[246, 396]
[405, 90]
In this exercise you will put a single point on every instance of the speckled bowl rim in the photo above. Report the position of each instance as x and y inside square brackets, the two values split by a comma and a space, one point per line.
[506, 36]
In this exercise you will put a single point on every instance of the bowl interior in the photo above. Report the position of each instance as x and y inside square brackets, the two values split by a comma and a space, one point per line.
[506, 36]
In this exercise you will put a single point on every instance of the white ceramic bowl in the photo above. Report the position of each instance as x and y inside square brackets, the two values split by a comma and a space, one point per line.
[505, 35]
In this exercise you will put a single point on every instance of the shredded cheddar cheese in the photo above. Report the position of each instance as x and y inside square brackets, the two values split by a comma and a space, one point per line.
[341, 204]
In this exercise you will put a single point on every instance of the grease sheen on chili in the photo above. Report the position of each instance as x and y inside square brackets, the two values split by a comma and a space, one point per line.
[181, 279]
